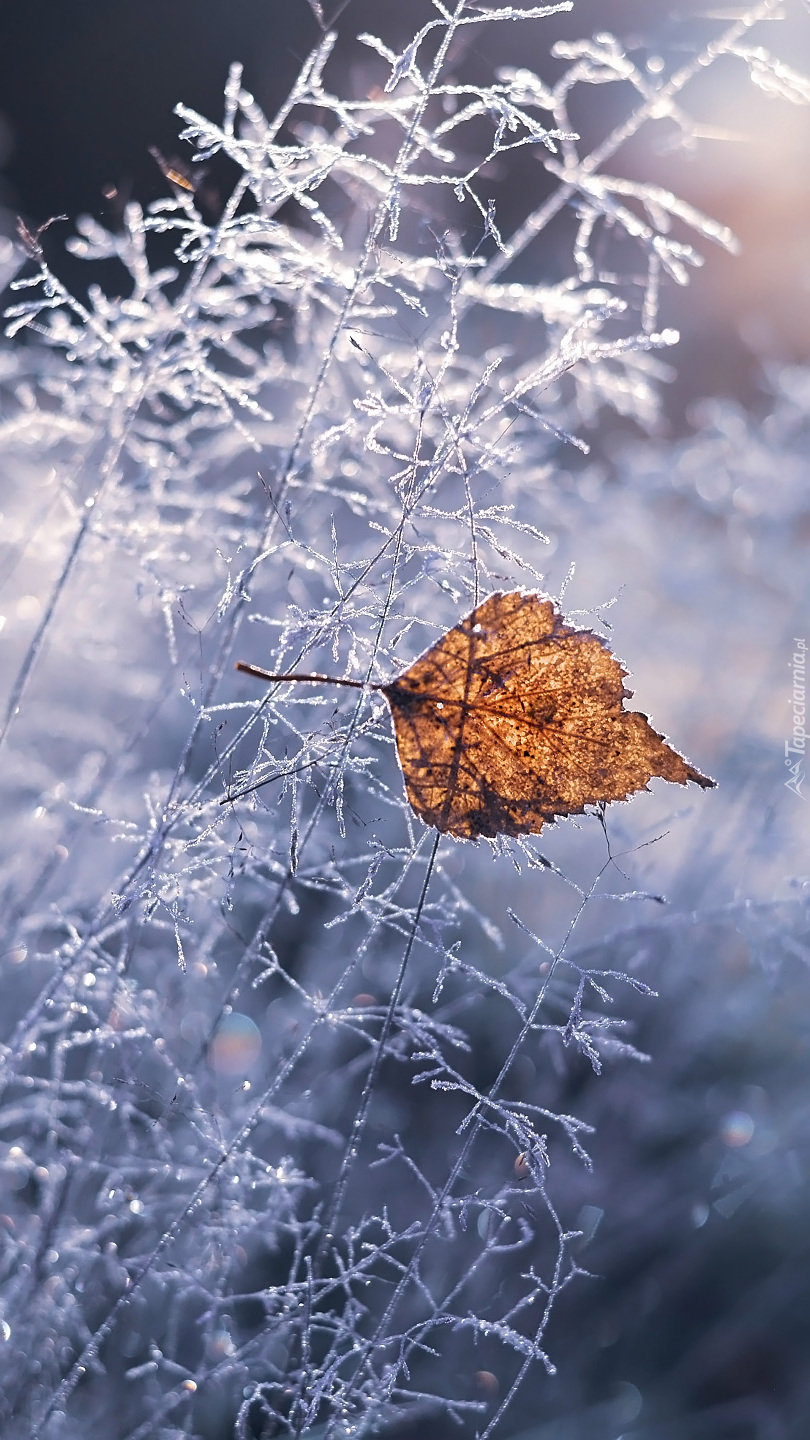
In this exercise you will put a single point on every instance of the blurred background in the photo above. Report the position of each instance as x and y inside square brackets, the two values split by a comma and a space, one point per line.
[695, 1220]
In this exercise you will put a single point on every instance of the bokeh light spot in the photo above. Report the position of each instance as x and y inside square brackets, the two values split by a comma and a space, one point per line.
[236, 1045]
[737, 1128]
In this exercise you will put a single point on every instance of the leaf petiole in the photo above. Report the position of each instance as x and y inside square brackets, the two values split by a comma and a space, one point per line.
[314, 679]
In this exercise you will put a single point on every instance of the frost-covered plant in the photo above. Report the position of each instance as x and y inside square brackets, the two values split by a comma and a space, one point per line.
[231, 949]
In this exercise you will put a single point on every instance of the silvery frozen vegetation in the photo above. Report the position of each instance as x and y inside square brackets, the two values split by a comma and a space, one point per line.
[292, 1143]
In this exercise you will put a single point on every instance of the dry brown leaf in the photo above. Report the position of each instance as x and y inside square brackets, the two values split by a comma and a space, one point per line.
[514, 718]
